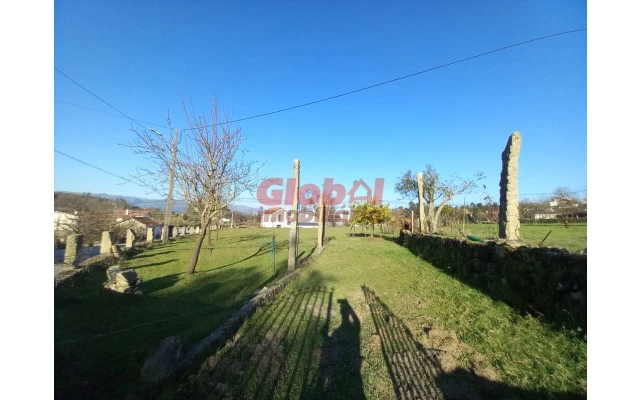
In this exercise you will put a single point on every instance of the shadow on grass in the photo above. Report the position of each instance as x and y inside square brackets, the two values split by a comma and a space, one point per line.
[286, 351]
[151, 253]
[102, 341]
[417, 373]
[155, 264]
[512, 285]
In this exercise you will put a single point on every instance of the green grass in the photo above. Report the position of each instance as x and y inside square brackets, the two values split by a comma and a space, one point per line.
[369, 320]
[573, 238]
[133, 326]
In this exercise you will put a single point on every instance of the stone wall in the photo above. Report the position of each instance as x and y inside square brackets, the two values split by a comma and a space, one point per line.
[548, 283]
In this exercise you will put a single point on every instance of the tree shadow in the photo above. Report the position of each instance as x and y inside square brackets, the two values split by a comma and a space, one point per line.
[160, 283]
[302, 257]
[155, 264]
[417, 373]
[108, 364]
[151, 253]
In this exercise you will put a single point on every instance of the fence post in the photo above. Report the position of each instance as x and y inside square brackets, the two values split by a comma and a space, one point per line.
[321, 222]
[421, 201]
[73, 248]
[293, 232]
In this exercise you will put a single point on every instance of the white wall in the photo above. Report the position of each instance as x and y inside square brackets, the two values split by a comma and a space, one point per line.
[271, 220]
[63, 221]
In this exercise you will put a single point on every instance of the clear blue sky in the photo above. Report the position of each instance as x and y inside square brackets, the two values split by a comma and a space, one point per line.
[263, 56]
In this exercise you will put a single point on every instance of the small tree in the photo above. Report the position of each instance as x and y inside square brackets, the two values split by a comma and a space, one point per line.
[210, 169]
[369, 214]
[436, 188]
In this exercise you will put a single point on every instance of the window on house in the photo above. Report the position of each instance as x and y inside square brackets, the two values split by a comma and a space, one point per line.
[279, 218]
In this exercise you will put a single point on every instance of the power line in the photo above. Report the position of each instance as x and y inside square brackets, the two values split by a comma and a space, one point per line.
[405, 77]
[108, 113]
[101, 169]
[99, 98]
[89, 165]
[357, 90]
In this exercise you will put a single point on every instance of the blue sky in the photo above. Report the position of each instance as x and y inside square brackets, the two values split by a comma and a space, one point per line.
[263, 56]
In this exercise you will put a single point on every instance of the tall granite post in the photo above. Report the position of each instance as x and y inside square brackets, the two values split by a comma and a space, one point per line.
[74, 246]
[149, 235]
[508, 216]
[131, 238]
[108, 240]
[423, 224]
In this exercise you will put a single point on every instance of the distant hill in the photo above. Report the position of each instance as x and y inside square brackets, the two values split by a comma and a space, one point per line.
[179, 206]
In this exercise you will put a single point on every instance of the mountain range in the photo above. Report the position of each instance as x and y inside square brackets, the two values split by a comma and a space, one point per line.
[179, 206]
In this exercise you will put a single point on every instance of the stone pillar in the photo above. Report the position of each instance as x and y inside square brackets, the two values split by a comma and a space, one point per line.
[197, 232]
[149, 235]
[293, 232]
[174, 231]
[421, 202]
[115, 251]
[108, 240]
[131, 238]
[183, 231]
[508, 216]
[74, 246]
[191, 230]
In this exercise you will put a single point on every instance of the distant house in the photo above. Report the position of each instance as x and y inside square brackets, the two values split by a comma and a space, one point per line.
[278, 217]
[545, 216]
[340, 218]
[65, 221]
[275, 217]
[307, 219]
[140, 226]
[122, 215]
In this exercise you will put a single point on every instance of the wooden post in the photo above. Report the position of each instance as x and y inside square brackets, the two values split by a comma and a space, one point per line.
[321, 222]
[420, 201]
[464, 213]
[293, 232]
[412, 221]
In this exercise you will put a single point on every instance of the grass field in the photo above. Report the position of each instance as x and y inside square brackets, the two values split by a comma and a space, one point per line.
[573, 238]
[133, 326]
[369, 320]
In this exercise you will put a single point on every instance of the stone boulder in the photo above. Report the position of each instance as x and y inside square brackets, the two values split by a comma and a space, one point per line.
[126, 281]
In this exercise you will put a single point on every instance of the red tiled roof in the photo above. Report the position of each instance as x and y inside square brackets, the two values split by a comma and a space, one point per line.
[272, 210]
[144, 220]
[132, 213]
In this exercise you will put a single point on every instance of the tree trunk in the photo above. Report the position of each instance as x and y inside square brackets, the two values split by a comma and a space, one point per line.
[434, 221]
[196, 251]
[430, 210]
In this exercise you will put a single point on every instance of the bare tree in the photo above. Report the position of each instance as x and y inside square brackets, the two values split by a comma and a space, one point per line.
[436, 188]
[89, 223]
[564, 200]
[210, 169]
